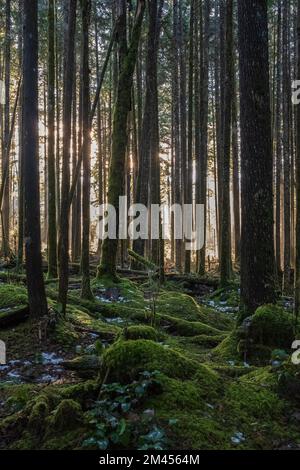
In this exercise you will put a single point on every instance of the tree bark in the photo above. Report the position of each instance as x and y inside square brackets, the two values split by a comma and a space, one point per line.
[35, 282]
[257, 239]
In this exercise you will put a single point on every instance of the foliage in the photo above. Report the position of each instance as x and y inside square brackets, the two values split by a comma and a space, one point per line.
[112, 421]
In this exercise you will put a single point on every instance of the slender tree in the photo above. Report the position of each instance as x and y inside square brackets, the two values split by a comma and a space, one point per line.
[120, 140]
[35, 282]
[52, 230]
[67, 117]
[86, 150]
[297, 267]
[225, 254]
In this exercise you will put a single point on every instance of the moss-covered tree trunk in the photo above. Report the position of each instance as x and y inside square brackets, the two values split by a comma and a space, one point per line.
[85, 256]
[52, 232]
[189, 165]
[67, 117]
[225, 254]
[204, 126]
[297, 266]
[119, 140]
[286, 103]
[6, 153]
[257, 238]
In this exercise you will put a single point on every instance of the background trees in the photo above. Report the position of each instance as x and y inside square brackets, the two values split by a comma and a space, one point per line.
[174, 136]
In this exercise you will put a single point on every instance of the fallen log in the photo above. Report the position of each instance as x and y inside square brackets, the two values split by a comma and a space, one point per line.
[11, 316]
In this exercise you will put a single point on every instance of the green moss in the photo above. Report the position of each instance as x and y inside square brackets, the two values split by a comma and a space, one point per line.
[67, 415]
[84, 320]
[12, 295]
[65, 333]
[16, 396]
[125, 359]
[126, 288]
[288, 379]
[86, 366]
[179, 305]
[140, 332]
[196, 425]
[272, 326]
[227, 349]
[228, 294]
[254, 409]
[38, 415]
[186, 328]
[209, 341]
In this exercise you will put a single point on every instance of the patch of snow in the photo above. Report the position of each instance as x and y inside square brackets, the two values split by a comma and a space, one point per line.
[238, 438]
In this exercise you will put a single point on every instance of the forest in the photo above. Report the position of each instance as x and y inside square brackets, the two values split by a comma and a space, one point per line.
[149, 225]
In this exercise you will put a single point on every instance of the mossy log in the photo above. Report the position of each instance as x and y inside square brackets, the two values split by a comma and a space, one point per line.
[13, 315]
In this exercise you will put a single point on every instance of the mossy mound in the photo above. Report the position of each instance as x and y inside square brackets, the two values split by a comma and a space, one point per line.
[288, 376]
[67, 415]
[86, 366]
[126, 359]
[127, 290]
[227, 349]
[82, 319]
[140, 332]
[12, 295]
[179, 305]
[272, 326]
[65, 333]
[38, 415]
[209, 341]
[196, 425]
[181, 327]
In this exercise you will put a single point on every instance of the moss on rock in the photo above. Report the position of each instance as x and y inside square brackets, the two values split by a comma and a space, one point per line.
[125, 359]
[209, 341]
[186, 328]
[272, 326]
[135, 332]
[38, 415]
[67, 415]
[87, 366]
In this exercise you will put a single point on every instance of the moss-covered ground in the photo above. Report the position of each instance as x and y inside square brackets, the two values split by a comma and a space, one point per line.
[149, 370]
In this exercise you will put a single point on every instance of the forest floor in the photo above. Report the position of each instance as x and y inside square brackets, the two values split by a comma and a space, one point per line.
[141, 368]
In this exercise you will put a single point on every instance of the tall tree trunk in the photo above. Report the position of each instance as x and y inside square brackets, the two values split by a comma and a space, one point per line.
[21, 157]
[278, 146]
[225, 255]
[257, 239]
[52, 231]
[235, 176]
[189, 167]
[6, 159]
[85, 256]
[286, 147]
[67, 118]
[120, 140]
[203, 126]
[35, 281]
[297, 267]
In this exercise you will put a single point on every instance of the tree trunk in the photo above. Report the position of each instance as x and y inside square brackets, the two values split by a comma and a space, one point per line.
[120, 140]
[52, 232]
[86, 292]
[67, 117]
[35, 282]
[257, 238]
[225, 255]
